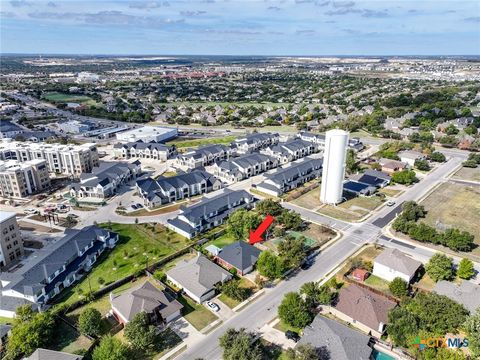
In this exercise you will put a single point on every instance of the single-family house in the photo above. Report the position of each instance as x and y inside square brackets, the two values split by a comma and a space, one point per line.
[371, 177]
[393, 263]
[160, 305]
[336, 341]
[359, 189]
[209, 212]
[198, 277]
[46, 354]
[164, 190]
[363, 309]
[410, 156]
[465, 293]
[240, 256]
[390, 166]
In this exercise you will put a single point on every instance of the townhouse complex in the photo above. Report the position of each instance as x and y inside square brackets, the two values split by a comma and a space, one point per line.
[291, 150]
[165, 190]
[243, 167]
[210, 212]
[255, 142]
[22, 179]
[204, 156]
[71, 160]
[55, 267]
[144, 150]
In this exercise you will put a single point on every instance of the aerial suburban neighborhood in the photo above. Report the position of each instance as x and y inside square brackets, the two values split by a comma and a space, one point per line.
[237, 207]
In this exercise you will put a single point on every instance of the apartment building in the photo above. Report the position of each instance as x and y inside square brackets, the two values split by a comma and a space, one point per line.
[142, 150]
[243, 167]
[23, 179]
[254, 142]
[54, 268]
[204, 156]
[210, 212]
[291, 150]
[105, 180]
[291, 177]
[70, 160]
[165, 190]
[11, 244]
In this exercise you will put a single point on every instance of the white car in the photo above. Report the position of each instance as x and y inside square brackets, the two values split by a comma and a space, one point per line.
[390, 203]
[212, 306]
[31, 211]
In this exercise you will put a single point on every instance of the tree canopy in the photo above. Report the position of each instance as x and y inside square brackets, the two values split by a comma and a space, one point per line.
[439, 267]
[90, 322]
[240, 345]
[294, 311]
[111, 348]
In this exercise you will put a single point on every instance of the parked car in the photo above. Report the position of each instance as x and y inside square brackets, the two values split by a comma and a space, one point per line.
[134, 207]
[292, 335]
[212, 306]
[390, 203]
[306, 265]
[31, 211]
[139, 206]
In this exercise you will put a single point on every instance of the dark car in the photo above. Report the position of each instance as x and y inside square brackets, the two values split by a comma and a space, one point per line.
[306, 265]
[292, 335]
[134, 207]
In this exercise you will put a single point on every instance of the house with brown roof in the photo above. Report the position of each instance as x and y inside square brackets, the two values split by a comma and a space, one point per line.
[159, 305]
[390, 166]
[363, 309]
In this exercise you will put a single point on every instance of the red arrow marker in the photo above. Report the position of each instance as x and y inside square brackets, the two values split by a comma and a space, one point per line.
[256, 236]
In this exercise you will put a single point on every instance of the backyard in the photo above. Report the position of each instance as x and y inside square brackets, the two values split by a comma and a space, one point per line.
[454, 205]
[138, 244]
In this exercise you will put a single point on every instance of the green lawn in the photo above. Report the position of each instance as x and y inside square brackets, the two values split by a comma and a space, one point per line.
[222, 241]
[137, 243]
[284, 327]
[390, 192]
[309, 200]
[204, 141]
[196, 314]
[378, 283]
[5, 320]
[57, 97]
[353, 209]
[68, 339]
[231, 303]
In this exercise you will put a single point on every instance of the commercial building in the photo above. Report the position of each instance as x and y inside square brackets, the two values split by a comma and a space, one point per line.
[74, 127]
[291, 177]
[164, 190]
[243, 167]
[54, 268]
[148, 134]
[336, 142]
[142, 150]
[204, 156]
[105, 180]
[11, 244]
[70, 160]
[209, 212]
[22, 179]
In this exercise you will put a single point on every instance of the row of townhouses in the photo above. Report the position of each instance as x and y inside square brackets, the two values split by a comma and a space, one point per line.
[105, 180]
[291, 176]
[165, 190]
[319, 139]
[291, 150]
[243, 167]
[19, 179]
[210, 212]
[204, 156]
[144, 150]
[71, 160]
[55, 267]
[254, 142]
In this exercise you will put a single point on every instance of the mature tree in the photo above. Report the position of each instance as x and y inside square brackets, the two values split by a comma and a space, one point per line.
[398, 287]
[30, 331]
[422, 165]
[472, 327]
[294, 311]
[437, 157]
[269, 207]
[232, 289]
[291, 220]
[351, 162]
[458, 240]
[270, 265]
[241, 222]
[111, 348]
[240, 345]
[406, 177]
[465, 269]
[311, 291]
[90, 322]
[293, 251]
[411, 211]
[440, 267]
[139, 332]
[302, 352]
[402, 324]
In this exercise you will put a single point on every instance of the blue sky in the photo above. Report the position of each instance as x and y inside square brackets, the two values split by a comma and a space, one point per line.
[235, 27]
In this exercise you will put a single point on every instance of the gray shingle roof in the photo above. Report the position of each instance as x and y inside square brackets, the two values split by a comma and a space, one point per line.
[296, 169]
[398, 261]
[240, 255]
[198, 275]
[45, 354]
[145, 297]
[337, 340]
[467, 293]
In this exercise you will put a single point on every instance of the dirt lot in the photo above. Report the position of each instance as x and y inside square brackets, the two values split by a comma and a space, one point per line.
[468, 174]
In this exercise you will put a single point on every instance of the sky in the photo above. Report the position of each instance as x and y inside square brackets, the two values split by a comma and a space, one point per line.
[241, 27]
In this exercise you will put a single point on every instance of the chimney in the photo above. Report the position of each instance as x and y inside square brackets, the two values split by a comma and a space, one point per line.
[45, 273]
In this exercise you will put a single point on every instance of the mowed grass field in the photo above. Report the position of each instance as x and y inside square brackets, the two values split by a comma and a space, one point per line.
[137, 243]
[455, 205]
[470, 174]
[204, 141]
[57, 97]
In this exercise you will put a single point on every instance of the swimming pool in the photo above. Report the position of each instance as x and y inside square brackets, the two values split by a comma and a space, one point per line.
[378, 355]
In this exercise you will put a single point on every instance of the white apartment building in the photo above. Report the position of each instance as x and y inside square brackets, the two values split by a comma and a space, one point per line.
[60, 159]
[23, 179]
[11, 244]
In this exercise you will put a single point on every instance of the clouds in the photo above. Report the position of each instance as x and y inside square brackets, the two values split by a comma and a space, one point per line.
[142, 5]
[189, 13]
[20, 3]
[475, 19]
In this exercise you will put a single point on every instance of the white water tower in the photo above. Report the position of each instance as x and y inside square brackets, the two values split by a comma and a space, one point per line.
[336, 143]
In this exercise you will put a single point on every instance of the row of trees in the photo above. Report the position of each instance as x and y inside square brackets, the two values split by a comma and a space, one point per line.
[406, 223]
[440, 267]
